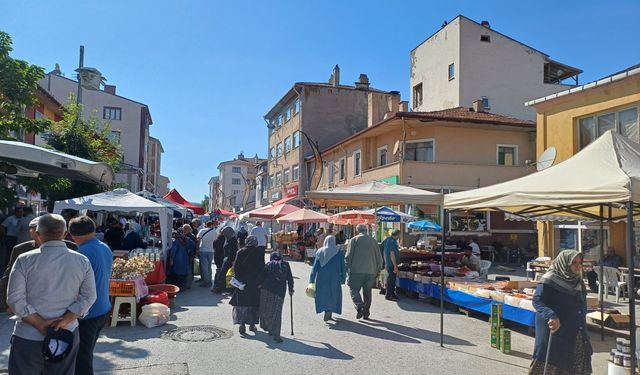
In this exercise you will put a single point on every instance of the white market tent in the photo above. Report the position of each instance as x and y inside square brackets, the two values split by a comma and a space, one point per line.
[375, 192]
[121, 200]
[601, 182]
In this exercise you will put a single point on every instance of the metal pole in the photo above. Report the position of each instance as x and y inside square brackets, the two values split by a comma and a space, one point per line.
[601, 289]
[80, 66]
[444, 219]
[631, 246]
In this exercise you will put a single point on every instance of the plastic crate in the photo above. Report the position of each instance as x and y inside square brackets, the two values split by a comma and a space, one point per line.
[122, 288]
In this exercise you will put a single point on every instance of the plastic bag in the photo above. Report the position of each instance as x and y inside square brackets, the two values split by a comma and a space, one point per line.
[311, 290]
[196, 267]
[156, 297]
[154, 315]
[229, 275]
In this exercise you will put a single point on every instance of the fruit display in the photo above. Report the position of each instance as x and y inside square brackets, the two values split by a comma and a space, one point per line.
[134, 268]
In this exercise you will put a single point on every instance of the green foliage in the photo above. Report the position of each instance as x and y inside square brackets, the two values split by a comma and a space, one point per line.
[18, 82]
[205, 203]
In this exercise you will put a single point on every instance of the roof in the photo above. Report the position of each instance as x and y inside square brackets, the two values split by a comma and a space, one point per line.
[249, 161]
[292, 93]
[457, 114]
[176, 197]
[154, 139]
[630, 71]
[58, 108]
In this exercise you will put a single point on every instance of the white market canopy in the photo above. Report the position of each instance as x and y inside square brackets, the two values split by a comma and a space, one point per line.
[375, 192]
[32, 161]
[606, 172]
[120, 200]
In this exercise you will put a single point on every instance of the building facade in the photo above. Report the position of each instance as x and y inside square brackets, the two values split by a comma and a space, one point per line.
[441, 151]
[466, 60]
[262, 184]
[313, 116]
[154, 155]
[129, 121]
[214, 193]
[163, 186]
[571, 120]
[236, 184]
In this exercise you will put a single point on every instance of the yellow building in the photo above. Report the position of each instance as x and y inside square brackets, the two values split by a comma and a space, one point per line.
[568, 121]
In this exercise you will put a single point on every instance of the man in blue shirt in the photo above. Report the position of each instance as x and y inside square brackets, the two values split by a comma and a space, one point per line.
[83, 232]
[391, 261]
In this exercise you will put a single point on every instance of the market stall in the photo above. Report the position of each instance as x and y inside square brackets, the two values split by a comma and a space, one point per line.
[375, 192]
[302, 216]
[176, 197]
[601, 182]
[353, 217]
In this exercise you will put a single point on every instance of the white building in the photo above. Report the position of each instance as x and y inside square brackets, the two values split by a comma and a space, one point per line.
[129, 119]
[214, 192]
[236, 184]
[154, 155]
[465, 61]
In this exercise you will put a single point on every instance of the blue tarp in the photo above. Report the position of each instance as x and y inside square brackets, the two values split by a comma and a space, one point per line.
[471, 302]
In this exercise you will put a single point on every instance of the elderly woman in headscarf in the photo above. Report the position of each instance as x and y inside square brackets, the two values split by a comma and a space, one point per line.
[229, 249]
[183, 247]
[273, 281]
[248, 264]
[328, 273]
[133, 237]
[560, 303]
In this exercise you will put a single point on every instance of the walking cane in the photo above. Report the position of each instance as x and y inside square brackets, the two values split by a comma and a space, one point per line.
[546, 360]
[291, 304]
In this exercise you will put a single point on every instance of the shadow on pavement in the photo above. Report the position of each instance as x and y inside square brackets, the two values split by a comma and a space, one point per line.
[293, 346]
[368, 330]
[518, 354]
[418, 333]
[132, 334]
[116, 349]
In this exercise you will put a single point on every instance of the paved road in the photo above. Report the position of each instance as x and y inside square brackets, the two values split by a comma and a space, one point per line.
[401, 338]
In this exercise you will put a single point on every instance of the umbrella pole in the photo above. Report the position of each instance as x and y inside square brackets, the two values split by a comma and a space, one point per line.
[631, 246]
[601, 289]
[444, 216]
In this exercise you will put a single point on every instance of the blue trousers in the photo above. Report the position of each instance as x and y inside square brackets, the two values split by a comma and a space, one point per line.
[205, 266]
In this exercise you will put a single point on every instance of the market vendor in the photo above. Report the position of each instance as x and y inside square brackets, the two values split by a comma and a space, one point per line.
[470, 260]
[611, 259]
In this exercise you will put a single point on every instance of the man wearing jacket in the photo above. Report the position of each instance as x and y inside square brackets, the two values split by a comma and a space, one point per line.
[364, 262]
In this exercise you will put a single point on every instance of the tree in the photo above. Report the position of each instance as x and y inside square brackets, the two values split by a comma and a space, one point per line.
[79, 137]
[18, 82]
[205, 203]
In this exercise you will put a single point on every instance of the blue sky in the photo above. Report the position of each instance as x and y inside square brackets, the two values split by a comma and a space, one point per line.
[209, 70]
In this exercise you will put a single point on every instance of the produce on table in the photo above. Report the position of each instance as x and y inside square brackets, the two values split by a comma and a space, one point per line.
[134, 268]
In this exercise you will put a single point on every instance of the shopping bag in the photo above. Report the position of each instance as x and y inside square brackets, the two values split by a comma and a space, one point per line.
[237, 283]
[196, 267]
[155, 314]
[229, 276]
[311, 290]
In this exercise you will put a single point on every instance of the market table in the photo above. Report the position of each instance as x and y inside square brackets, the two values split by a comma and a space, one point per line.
[469, 301]
[406, 255]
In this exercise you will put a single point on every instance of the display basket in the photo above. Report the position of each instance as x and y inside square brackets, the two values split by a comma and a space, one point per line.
[122, 288]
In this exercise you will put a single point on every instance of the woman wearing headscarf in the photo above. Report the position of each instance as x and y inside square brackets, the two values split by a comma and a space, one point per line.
[328, 273]
[273, 281]
[183, 247]
[248, 264]
[133, 237]
[560, 303]
[229, 249]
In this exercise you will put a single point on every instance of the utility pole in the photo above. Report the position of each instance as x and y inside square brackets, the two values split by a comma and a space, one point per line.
[80, 66]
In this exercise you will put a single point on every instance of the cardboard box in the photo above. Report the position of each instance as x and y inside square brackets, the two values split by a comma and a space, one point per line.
[520, 284]
[592, 303]
[505, 340]
[612, 319]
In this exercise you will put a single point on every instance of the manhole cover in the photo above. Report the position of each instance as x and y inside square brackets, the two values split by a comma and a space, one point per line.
[196, 334]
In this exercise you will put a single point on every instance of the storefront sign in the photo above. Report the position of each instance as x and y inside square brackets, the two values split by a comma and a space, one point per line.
[292, 191]
[276, 195]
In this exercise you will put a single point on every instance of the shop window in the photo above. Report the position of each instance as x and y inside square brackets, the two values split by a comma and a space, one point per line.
[507, 155]
[422, 150]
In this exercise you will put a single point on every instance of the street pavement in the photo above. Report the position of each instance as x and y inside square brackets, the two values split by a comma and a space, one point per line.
[402, 338]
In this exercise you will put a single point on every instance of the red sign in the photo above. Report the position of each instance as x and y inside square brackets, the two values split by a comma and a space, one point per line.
[292, 191]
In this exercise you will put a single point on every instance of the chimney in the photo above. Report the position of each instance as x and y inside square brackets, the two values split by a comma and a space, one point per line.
[393, 101]
[485, 24]
[111, 89]
[335, 76]
[478, 106]
[403, 106]
[363, 82]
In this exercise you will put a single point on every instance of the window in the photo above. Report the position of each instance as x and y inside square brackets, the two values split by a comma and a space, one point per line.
[235, 181]
[280, 120]
[287, 145]
[485, 38]
[278, 179]
[272, 154]
[422, 150]
[285, 175]
[295, 172]
[624, 121]
[114, 137]
[507, 155]
[382, 156]
[452, 71]
[417, 95]
[236, 192]
[342, 166]
[236, 170]
[296, 139]
[331, 172]
[279, 150]
[296, 106]
[357, 163]
[112, 113]
[272, 182]
[485, 103]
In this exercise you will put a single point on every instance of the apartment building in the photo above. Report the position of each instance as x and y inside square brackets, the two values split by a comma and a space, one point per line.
[154, 155]
[235, 187]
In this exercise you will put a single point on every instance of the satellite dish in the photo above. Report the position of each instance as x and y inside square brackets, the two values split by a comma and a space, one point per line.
[396, 147]
[546, 159]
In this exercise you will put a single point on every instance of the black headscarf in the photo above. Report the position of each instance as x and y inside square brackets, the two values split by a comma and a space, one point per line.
[277, 266]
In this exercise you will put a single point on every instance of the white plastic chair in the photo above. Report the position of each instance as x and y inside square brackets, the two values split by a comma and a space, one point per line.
[484, 268]
[613, 279]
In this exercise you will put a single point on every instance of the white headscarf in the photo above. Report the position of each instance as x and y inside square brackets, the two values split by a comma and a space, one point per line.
[327, 251]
